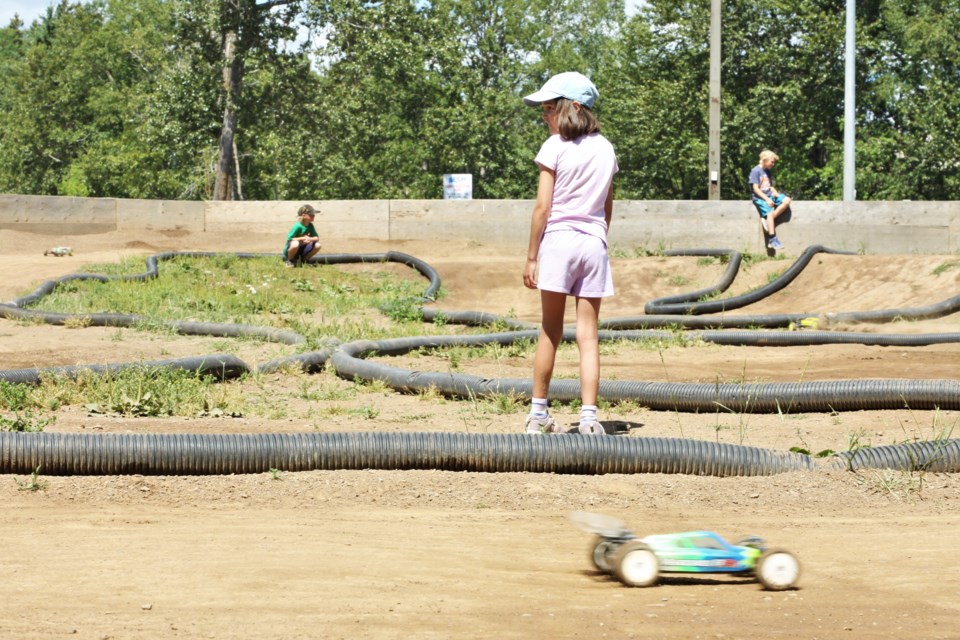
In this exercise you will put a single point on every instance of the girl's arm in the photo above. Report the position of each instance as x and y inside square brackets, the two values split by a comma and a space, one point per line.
[608, 207]
[538, 222]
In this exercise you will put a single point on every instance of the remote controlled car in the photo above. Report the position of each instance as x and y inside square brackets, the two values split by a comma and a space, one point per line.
[638, 562]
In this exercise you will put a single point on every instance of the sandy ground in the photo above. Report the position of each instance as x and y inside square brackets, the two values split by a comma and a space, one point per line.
[432, 554]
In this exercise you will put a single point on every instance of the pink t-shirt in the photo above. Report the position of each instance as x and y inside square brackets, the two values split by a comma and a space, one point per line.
[584, 169]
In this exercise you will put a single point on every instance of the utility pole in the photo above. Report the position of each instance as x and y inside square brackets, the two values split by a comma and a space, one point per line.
[850, 108]
[713, 161]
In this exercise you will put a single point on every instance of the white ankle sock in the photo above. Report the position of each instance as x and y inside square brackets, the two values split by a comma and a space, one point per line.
[588, 413]
[538, 407]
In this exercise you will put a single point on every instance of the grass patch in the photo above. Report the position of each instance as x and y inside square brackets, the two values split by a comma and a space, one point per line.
[338, 302]
[895, 484]
[454, 356]
[141, 392]
[943, 267]
[17, 402]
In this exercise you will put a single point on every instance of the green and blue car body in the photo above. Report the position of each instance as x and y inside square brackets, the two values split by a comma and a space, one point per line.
[702, 552]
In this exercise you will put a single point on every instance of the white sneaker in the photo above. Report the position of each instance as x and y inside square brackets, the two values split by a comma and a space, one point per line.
[592, 428]
[546, 424]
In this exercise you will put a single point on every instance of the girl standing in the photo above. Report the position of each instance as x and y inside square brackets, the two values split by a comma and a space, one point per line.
[568, 234]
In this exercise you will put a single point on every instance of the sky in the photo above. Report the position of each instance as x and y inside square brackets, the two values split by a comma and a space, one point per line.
[30, 10]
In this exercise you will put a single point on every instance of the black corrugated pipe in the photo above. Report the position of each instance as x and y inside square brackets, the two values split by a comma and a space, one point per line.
[198, 454]
[736, 302]
[784, 397]
[767, 321]
[422, 267]
[733, 266]
[220, 366]
[937, 456]
[773, 397]
[189, 328]
[779, 320]
[474, 319]
[312, 362]
[929, 312]
[801, 337]
[63, 454]
[808, 337]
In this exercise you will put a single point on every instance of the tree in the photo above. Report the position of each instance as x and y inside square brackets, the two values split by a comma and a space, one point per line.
[244, 27]
[908, 141]
[228, 98]
[412, 90]
[657, 105]
[782, 87]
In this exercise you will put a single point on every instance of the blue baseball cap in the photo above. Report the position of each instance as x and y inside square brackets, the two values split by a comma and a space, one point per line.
[570, 85]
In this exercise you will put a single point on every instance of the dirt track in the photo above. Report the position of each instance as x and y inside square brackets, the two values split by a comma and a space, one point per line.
[429, 554]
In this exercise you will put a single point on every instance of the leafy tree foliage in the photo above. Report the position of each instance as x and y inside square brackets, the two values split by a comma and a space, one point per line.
[909, 144]
[75, 100]
[328, 99]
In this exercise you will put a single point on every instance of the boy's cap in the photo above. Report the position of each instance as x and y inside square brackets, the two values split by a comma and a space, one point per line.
[307, 209]
[570, 85]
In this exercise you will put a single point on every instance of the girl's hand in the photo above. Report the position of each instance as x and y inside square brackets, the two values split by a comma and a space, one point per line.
[529, 274]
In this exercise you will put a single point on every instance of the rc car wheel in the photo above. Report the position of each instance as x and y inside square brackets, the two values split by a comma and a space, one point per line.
[636, 565]
[777, 570]
[602, 553]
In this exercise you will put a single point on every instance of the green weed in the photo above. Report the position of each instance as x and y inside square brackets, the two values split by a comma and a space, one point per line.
[506, 404]
[896, 484]
[644, 252]
[25, 422]
[941, 429]
[13, 396]
[366, 412]
[404, 309]
[34, 483]
[140, 391]
[473, 415]
[773, 275]
[372, 386]
[946, 266]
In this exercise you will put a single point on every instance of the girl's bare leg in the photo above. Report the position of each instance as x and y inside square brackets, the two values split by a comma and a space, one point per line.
[588, 314]
[551, 333]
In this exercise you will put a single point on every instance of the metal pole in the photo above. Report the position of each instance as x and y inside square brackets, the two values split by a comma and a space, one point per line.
[850, 108]
[713, 161]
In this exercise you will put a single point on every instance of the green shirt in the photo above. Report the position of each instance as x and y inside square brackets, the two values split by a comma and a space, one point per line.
[300, 230]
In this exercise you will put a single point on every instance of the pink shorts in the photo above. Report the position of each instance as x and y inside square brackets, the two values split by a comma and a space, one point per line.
[576, 264]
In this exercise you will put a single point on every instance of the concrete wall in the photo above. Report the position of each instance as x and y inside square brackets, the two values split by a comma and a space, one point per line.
[871, 227]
